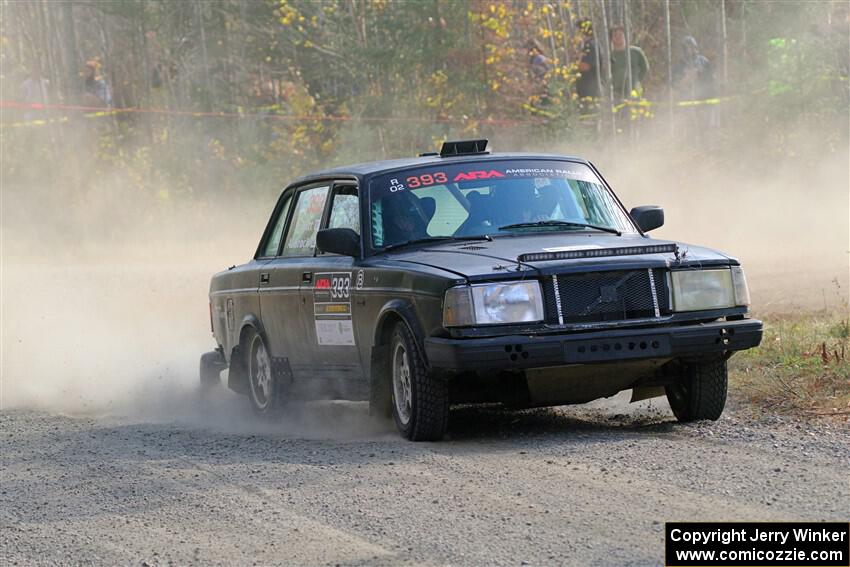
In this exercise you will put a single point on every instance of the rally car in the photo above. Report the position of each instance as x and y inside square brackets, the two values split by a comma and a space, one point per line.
[468, 277]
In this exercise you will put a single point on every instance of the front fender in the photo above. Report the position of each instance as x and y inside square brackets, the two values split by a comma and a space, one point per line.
[405, 310]
[379, 378]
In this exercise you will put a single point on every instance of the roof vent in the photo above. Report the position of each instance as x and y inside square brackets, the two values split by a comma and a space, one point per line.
[464, 147]
[428, 154]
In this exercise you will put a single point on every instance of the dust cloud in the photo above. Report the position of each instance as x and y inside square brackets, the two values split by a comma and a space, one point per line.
[104, 297]
[786, 219]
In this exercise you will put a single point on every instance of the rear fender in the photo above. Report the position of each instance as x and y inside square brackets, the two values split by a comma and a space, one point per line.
[237, 377]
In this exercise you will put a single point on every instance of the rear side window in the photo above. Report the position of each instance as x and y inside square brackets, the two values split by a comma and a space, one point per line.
[306, 218]
[273, 243]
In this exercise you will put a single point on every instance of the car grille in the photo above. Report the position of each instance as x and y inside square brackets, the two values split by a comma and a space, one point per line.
[606, 296]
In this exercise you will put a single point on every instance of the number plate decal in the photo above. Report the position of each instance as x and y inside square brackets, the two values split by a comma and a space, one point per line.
[332, 309]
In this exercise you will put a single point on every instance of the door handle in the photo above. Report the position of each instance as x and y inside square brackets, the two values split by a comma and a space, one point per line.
[306, 277]
[264, 278]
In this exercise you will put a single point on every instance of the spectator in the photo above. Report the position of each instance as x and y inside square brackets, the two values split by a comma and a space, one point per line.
[587, 85]
[694, 77]
[539, 67]
[34, 90]
[695, 74]
[538, 63]
[619, 67]
[97, 90]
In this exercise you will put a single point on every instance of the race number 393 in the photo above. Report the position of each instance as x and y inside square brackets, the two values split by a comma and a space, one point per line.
[341, 286]
[800, 544]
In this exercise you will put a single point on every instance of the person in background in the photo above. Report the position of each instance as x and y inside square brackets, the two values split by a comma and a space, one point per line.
[694, 77]
[97, 90]
[538, 63]
[539, 67]
[587, 85]
[695, 74]
[34, 90]
[619, 68]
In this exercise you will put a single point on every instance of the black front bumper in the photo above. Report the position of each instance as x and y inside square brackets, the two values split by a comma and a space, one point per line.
[610, 345]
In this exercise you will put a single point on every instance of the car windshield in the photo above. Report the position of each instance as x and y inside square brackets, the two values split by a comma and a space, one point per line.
[471, 199]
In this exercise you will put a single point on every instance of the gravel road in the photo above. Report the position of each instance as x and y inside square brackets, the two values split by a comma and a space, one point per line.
[205, 483]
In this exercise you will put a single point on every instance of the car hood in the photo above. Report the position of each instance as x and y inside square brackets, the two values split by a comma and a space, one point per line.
[475, 259]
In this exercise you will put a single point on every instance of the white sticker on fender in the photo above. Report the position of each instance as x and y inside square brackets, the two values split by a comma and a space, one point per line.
[335, 332]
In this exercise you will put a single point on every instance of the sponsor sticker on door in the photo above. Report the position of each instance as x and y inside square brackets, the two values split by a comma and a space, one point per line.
[332, 309]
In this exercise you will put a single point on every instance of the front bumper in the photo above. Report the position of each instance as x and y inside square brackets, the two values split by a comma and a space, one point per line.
[530, 351]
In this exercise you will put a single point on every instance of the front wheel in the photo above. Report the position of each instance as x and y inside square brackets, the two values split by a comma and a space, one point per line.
[420, 401]
[700, 392]
[264, 389]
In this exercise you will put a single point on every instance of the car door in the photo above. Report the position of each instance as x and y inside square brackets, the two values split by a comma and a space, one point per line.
[281, 280]
[326, 295]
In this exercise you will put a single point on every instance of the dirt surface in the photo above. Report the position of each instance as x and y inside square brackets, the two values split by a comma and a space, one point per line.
[109, 457]
[591, 485]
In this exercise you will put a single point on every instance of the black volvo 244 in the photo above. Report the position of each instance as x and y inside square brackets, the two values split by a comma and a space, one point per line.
[469, 277]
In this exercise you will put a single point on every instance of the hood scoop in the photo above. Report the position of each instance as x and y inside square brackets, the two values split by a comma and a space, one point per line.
[599, 253]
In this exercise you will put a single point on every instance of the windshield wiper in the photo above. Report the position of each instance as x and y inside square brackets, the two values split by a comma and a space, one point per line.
[546, 223]
[435, 239]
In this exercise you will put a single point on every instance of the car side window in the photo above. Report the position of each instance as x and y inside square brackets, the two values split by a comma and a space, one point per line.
[273, 243]
[345, 210]
[306, 218]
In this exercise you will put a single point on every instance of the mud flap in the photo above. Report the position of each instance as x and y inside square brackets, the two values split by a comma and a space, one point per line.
[646, 392]
[380, 402]
[237, 376]
[211, 365]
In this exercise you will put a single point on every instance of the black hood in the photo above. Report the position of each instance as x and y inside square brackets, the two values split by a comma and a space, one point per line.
[483, 259]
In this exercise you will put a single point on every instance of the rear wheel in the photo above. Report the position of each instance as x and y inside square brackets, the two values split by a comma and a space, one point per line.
[420, 401]
[700, 393]
[264, 389]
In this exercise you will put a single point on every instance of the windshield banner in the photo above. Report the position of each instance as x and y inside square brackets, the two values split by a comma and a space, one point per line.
[472, 174]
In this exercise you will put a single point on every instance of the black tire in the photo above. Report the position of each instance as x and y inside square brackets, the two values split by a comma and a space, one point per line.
[420, 404]
[700, 393]
[264, 389]
[210, 370]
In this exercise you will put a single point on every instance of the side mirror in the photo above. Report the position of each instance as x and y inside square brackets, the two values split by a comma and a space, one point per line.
[342, 241]
[648, 217]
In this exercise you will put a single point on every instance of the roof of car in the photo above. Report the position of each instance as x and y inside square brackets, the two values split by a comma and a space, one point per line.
[373, 167]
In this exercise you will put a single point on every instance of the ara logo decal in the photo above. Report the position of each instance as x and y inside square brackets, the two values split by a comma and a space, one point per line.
[472, 175]
[323, 283]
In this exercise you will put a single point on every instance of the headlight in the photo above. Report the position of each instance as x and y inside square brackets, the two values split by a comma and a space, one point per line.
[493, 304]
[696, 290]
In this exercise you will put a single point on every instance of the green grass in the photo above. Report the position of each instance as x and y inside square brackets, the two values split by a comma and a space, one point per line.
[802, 366]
